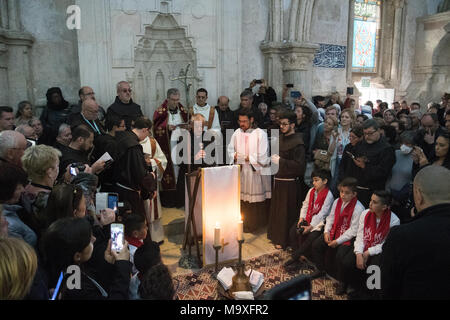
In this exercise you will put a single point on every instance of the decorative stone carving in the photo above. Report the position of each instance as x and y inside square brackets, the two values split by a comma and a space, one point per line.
[162, 53]
[295, 61]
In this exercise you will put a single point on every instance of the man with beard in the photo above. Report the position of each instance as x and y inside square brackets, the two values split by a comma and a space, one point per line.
[167, 118]
[135, 180]
[124, 105]
[56, 112]
[292, 165]
[249, 148]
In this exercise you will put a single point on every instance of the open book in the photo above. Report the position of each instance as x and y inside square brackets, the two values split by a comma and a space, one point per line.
[225, 277]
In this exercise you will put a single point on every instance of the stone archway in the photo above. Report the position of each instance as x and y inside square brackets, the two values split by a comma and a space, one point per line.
[162, 53]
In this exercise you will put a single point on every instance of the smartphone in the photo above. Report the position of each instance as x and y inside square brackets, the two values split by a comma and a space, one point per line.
[298, 288]
[350, 90]
[258, 81]
[117, 236]
[73, 171]
[290, 85]
[113, 201]
[296, 94]
[351, 155]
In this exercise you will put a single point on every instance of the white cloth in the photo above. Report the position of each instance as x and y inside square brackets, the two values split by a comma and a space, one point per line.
[205, 112]
[359, 242]
[353, 229]
[317, 220]
[255, 184]
[156, 228]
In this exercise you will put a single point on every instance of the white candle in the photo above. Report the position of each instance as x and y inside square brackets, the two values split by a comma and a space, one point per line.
[217, 235]
[240, 235]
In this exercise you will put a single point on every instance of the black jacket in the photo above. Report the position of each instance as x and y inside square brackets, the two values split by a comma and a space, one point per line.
[381, 159]
[77, 119]
[130, 168]
[130, 112]
[69, 156]
[415, 262]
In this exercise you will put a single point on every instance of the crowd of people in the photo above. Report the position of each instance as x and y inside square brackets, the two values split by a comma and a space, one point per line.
[371, 171]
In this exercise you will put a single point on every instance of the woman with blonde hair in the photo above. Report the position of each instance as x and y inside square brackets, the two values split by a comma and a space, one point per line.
[18, 265]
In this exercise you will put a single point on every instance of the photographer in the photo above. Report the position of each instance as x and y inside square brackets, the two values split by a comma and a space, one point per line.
[428, 133]
[76, 154]
[265, 93]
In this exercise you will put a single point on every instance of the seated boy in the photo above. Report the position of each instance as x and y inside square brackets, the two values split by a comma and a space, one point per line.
[340, 229]
[135, 232]
[374, 226]
[145, 257]
[315, 209]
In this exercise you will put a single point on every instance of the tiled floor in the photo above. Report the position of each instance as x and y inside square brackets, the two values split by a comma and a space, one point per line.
[255, 244]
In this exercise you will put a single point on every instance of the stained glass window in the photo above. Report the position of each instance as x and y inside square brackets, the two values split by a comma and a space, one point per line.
[366, 24]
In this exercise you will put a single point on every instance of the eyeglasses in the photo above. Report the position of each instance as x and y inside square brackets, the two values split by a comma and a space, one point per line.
[366, 134]
[89, 93]
[126, 90]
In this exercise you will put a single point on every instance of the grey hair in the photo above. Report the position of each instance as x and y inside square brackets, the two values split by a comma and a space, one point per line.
[8, 140]
[120, 83]
[172, 92]
[22, 128]
[62, 127]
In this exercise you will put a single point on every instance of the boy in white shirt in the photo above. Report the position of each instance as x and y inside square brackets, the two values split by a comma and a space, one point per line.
[374, 226]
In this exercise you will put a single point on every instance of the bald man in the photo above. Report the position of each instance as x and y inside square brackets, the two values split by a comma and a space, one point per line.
[88, 117]
[415, 263]
[86, 93]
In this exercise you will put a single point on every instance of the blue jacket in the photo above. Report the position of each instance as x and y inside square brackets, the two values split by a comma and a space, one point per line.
[16, 228]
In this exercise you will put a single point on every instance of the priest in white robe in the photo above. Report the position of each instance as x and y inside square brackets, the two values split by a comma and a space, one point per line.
[153, 211]
[211, 115]
[249, 148]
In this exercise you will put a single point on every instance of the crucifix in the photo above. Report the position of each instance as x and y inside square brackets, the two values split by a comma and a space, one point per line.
[183, 78]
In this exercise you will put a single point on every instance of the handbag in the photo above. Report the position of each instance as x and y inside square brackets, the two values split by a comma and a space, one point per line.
[322, 159]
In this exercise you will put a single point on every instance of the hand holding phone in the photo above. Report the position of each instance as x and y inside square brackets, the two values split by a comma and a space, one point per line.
[117, 237]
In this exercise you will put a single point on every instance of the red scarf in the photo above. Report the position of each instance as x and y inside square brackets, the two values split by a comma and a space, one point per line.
[342, 220]
[314, 207]
[134, 242]
[372, 234]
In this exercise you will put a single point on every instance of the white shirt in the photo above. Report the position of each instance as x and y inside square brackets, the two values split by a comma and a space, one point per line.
[205, 111]
[359, 242]
[353, 229]
[317, 220]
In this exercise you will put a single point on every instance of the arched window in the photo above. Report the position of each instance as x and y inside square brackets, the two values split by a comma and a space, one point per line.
[366, 36]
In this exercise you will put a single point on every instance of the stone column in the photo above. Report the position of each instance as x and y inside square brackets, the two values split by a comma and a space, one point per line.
[4, 14]
[12, 15]
[397, 41]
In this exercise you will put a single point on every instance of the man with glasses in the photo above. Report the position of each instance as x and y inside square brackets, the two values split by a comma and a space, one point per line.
[124, 105]
[86, 93]
[170, 116]
[209, 113]
[291, 161]
[427, 134]
[89, 117]
[373, 159]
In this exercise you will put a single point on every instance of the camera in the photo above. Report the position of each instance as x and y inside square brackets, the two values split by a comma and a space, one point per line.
[290, 85]
[302, 226]
[259, 81]
[80, 166]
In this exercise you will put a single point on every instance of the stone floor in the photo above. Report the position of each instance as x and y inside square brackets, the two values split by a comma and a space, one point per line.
[256, 244]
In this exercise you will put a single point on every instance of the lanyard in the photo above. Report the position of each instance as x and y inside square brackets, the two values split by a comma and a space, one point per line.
[94, 128]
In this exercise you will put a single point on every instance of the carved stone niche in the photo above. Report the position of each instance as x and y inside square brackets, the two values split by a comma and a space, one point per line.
[163, 53]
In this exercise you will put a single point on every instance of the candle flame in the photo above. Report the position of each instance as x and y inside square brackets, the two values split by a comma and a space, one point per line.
[217, 224]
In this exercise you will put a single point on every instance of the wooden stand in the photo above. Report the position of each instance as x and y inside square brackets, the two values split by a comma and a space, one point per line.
[188, 237]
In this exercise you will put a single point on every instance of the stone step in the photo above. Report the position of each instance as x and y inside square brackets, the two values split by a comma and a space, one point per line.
[173, 221]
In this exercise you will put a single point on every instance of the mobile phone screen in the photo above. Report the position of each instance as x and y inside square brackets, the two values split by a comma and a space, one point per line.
[73, 171]
[296, 94]
[113, 199]
[117, 235]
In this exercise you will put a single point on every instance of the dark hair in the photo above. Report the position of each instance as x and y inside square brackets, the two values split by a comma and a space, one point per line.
[349, 182]
[288, 114]
[384, 105]
[390, 133]
[446, 162]
[113, 120]
[401, 125]
[322, 174]
[317, 99]
[143, 123]
[10, 177]
[61, 241]
[357, 130]
[369, 103]
[402, 111]
[370, 123]
[202, 90]
[157, 284]
[385, 196]
[418, 104]
[247, 93]
[307, 113]
[133, 222]
[21, 106]
[147, 256]
[62, 202]
[81, 132]
[5, 109]
[246, 113]
[432, 115]
[363, 116]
